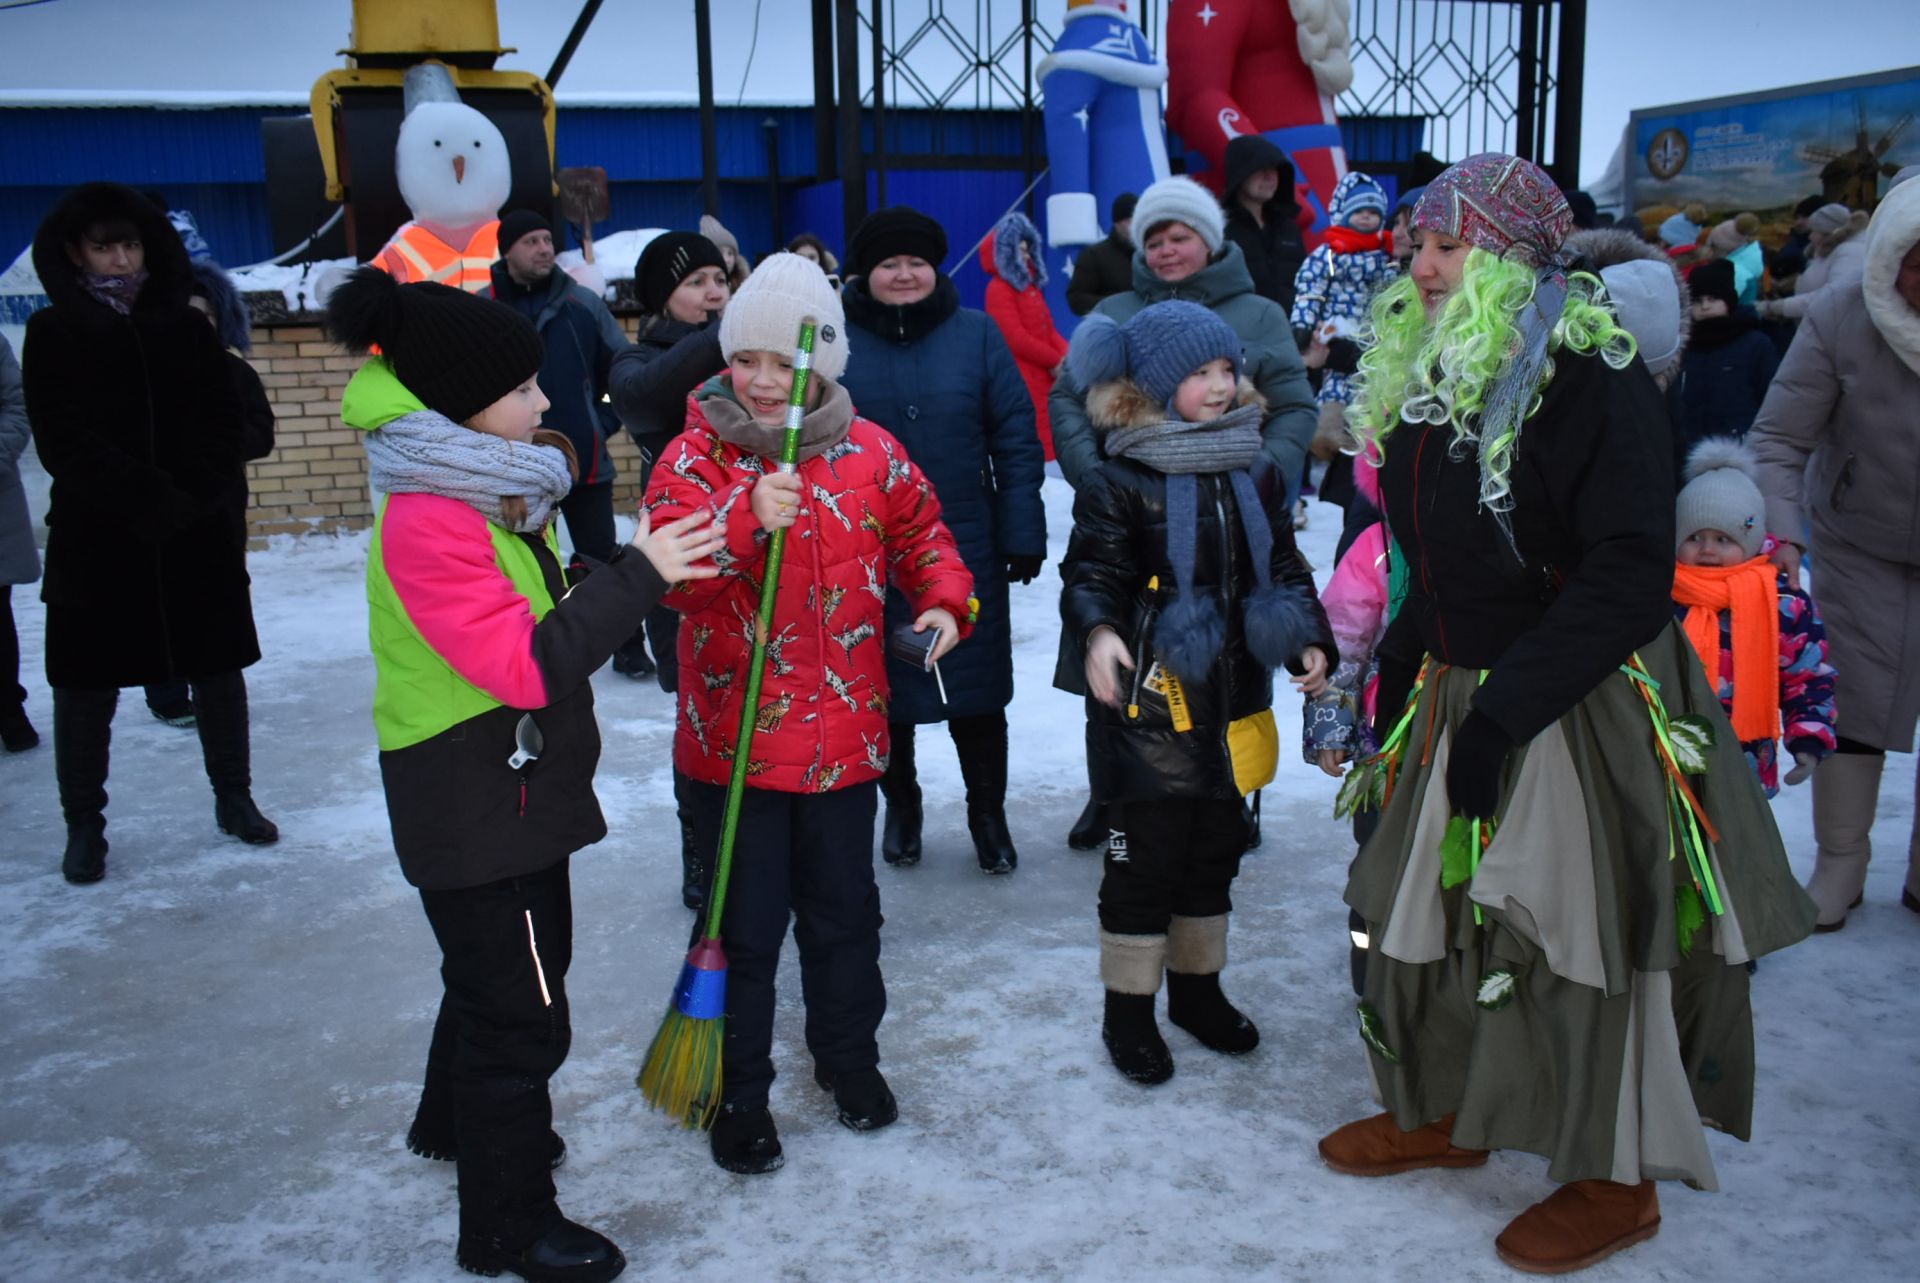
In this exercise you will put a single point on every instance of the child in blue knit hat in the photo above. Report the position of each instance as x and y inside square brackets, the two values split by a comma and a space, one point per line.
[1184, 591]
[1331, 293]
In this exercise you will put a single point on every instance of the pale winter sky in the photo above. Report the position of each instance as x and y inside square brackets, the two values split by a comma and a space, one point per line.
[1640, 53]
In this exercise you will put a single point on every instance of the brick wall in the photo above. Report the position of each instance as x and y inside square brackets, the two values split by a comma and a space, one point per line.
[316, 478]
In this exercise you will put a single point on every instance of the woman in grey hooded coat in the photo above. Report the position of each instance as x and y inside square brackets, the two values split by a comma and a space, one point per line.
[1838, 455]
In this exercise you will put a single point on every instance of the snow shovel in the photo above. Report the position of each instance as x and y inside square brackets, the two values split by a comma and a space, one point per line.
[681, 1074]
[584, 201]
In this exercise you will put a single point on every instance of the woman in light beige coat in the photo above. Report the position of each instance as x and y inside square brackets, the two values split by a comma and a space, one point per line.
[1839, 261]
[1838, 440]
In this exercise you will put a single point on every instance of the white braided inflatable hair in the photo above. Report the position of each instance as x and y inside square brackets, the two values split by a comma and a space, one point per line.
[1326, 41]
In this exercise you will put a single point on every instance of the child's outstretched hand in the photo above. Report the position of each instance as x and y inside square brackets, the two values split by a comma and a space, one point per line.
[1313, 682]
[675, 547]
[1803, 764]
[943, 623]
[776, 500]
[1104, 651]
[1333, 761]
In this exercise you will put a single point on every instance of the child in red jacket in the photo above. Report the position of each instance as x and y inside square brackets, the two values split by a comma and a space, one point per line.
[859, 514]
[1011, 256]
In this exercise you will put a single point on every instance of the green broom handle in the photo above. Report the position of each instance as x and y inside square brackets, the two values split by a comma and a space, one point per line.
[762, 629]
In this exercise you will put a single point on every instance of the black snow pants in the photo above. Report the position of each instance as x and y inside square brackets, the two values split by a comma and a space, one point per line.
[503, 1030]
[1176, 855]
[808, 856]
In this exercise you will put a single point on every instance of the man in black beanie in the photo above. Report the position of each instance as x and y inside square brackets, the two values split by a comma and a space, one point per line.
[1106, 268]
[582, 338]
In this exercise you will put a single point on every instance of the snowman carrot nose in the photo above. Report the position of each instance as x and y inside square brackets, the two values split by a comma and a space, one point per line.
[459, 169]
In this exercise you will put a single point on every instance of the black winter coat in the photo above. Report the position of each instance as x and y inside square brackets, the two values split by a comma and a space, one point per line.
[941, 379]
[651, 381]
[1593, 494]
[1274, 252]
[137, 420]
[582, 339]
[1101, 270]
[1117, 573]
[1724, 376]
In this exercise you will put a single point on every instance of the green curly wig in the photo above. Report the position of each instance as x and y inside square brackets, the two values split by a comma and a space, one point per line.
[1443, 372]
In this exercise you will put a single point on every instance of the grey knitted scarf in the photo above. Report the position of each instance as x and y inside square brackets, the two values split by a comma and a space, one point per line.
[1226, 444]
[427, 453]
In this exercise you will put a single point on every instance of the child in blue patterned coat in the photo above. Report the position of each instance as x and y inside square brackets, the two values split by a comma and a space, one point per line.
[1331, 292]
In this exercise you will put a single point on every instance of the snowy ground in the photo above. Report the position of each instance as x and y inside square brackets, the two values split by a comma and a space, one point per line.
[210, 1057]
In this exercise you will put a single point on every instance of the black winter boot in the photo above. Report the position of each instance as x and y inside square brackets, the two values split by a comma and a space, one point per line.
[1089, 832]
[82, 740]
[567, 1253]
[1133, 1039]
[982, 745]
[745, 1141]
[900, 833]
[85, 859]
[1196, 953]
[16, 732]
[631, 659]
[862, 1097]
[220, 703]
[1130, 968]
[1196, 1004]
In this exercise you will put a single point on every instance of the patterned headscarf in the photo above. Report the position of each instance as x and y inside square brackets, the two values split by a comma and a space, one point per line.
[1501, 204]
[1510, 208]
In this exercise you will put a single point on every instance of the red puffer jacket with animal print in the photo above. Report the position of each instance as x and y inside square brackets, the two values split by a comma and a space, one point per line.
[868, 517]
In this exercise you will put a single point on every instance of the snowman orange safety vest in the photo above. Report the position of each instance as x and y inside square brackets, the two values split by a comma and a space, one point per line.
[417, 254]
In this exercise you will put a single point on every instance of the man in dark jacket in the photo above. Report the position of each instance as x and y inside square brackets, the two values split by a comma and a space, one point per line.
[1262, 217]
[582, 339]
[1106, 268]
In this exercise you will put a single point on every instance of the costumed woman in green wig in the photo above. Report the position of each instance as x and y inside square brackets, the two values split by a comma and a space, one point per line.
[1573, 863]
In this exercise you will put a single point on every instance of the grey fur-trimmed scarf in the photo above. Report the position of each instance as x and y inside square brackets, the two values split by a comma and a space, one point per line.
[427, 453]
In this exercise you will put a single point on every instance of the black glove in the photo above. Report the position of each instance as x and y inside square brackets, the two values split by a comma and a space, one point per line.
[1390, 694]
[1343, 356]
[1474, 766]
[1023, 567]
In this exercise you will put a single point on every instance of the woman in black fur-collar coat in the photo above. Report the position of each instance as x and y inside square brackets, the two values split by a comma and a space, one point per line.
[136, 419]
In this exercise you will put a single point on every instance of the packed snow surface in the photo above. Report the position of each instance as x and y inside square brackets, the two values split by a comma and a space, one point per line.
[210, 1057]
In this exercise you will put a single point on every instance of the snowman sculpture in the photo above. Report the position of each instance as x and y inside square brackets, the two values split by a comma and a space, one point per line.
[452, 166]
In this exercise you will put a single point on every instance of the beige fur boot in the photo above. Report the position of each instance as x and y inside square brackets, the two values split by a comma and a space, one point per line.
[1846, 789]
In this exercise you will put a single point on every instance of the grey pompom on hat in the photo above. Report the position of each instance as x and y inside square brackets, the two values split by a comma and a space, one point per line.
[1722, 492]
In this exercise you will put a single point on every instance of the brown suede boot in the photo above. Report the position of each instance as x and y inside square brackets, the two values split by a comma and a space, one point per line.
[1578, 1225]
[1377, 1147]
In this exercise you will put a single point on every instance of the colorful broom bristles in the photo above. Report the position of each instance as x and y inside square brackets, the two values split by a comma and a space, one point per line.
[681, 1073]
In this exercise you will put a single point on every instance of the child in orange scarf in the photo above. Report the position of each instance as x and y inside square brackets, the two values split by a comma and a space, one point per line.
[1759, 638]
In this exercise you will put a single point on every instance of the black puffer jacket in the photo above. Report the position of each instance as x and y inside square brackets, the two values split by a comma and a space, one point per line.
[1117, 573]
[649, 383]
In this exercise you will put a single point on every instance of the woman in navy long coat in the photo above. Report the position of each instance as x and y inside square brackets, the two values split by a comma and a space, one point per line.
[941, 379]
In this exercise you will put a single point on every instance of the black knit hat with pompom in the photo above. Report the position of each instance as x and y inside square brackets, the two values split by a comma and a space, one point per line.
[457, 352]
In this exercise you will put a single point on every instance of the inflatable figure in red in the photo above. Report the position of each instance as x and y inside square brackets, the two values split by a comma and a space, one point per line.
[1269, 67]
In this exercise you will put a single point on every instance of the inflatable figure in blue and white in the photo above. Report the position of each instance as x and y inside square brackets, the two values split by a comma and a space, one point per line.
[1104, 136]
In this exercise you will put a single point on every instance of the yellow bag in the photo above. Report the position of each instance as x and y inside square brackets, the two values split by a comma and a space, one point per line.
[1254, 744]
